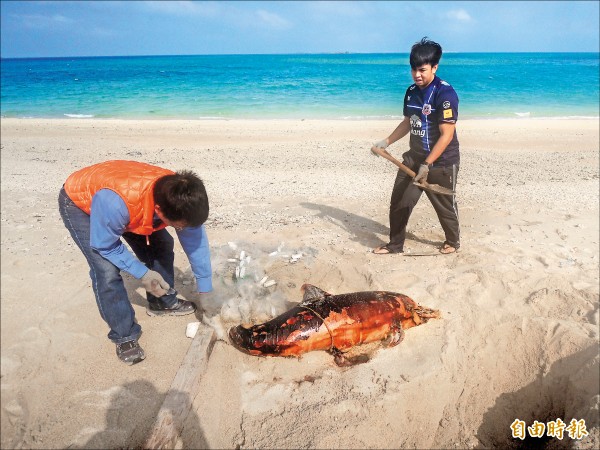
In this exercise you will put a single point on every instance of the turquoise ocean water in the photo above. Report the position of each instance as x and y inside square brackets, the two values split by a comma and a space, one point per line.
[337, 86]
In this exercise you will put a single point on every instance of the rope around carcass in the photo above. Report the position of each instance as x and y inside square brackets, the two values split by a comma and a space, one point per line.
[324, 323]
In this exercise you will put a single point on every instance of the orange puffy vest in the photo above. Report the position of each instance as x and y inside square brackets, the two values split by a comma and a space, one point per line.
[133, 181]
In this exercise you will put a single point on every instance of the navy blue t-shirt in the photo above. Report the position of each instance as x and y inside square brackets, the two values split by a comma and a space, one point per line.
[426, 109]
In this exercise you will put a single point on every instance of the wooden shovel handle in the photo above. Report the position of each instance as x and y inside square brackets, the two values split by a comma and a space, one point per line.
[383, 153]
[435, 188]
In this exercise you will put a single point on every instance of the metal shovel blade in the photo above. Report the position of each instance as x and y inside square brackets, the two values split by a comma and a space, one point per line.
[435, 188]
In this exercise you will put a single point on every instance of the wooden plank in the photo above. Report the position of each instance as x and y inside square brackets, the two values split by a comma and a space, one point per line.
[183, 390]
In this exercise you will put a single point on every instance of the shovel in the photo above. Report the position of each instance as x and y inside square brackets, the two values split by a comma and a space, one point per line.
[435, 188]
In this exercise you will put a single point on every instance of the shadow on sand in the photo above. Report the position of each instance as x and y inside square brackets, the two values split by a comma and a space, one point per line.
[131, 415]
[362, 230]
[566, 392]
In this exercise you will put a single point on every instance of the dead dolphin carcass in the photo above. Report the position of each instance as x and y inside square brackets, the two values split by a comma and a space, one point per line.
[335, 323]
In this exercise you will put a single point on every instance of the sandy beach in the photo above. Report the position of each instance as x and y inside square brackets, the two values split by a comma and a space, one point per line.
[518, 337]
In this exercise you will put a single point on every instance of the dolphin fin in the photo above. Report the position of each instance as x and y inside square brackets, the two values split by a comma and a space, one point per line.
[312, 293]
[396, 335]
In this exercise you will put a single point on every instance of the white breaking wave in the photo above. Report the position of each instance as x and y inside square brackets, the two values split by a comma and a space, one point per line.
[80, 116]
[523, 114]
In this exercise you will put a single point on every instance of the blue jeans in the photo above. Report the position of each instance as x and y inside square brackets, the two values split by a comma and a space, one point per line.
[107, 283]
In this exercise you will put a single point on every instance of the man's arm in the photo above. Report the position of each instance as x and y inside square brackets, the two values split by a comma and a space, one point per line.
[446, 135]
[109, 218]
[195, 244]
[401, 130]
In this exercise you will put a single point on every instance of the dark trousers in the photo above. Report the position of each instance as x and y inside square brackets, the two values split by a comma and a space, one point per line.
[107, 283]
[405, 196]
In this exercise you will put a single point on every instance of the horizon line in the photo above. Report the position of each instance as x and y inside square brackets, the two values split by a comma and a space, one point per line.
[285, 54]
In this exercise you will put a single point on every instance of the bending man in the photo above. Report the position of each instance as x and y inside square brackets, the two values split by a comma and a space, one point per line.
[135, 201]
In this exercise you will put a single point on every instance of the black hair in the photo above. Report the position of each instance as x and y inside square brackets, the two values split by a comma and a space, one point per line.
[425, 52]
[182, 197]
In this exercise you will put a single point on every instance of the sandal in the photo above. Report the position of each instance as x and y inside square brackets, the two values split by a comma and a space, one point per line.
[384, 250]
[447, 249]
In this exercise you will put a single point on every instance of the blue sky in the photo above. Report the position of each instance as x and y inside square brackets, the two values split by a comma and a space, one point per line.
[99, 28]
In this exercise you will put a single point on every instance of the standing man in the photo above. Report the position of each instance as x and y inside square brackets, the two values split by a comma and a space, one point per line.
[135, 201]
[430, 114]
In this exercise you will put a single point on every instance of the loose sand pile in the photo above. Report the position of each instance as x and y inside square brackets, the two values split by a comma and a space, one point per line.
[518, 337]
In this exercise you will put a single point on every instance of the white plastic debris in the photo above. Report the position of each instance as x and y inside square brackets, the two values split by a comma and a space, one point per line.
[270, 283]
[192, 329]
[263, 281]
[242, 272]
[232, 245]
[237, 272]
[233, 260]
[273, 253]
[242, 255]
